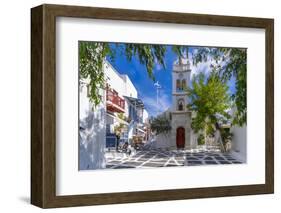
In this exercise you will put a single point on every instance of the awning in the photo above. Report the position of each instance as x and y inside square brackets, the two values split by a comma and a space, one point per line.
[135, 101]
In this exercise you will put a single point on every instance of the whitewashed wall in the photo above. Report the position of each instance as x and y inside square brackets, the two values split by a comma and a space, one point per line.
[130, 89]
[121, 83]
[145, 116]
[163, 141]
[239, 142]
[114, 79]
[92, 136]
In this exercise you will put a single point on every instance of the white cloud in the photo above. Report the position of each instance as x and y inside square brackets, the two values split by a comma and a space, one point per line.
[205, 67]
[164, 102]
[200, 67]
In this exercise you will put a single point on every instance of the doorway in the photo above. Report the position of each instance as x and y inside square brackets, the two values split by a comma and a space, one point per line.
[180, 137]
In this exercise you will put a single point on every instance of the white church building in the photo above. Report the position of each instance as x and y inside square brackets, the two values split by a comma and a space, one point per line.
[180, 115]
[180, 136]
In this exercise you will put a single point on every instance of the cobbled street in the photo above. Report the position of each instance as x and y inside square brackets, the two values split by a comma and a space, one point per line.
[159, 158]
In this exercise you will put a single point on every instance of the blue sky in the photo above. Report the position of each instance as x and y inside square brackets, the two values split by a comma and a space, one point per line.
[145, 86]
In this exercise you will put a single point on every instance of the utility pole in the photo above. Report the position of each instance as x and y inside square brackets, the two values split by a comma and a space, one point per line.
[158, 86]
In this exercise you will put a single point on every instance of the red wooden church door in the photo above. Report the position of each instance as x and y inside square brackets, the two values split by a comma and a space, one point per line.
[180, 137]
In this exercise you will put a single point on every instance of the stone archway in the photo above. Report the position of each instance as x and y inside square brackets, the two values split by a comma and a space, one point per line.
[180, 137]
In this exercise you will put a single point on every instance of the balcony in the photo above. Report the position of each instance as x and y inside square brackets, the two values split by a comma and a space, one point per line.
[114, 103]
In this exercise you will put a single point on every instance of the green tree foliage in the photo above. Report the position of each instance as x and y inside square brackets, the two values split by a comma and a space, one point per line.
[120, 127]
[226, 135]
[200, 139]
[210, 101]
[160, 124]
[92, 55]
[228, 63]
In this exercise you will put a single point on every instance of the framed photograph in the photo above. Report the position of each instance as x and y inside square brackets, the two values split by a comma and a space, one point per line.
[137, 106]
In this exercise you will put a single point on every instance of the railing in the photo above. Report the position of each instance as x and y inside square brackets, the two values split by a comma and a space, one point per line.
[181, 67]
[112, 96]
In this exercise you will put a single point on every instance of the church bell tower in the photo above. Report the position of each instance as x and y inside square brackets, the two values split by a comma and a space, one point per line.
[181, 116]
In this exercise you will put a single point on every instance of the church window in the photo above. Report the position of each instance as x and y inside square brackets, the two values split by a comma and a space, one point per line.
[178, 85]
[183, 84]
[180, 105]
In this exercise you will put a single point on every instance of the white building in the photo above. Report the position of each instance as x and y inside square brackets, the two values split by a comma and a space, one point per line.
[118, 87]
[97, 123]
[179, 116]
[91, 121]
[239, 140]
[145, 116]
[122, 97]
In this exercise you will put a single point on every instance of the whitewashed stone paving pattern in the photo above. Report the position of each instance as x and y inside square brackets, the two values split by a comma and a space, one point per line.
[161, 158]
